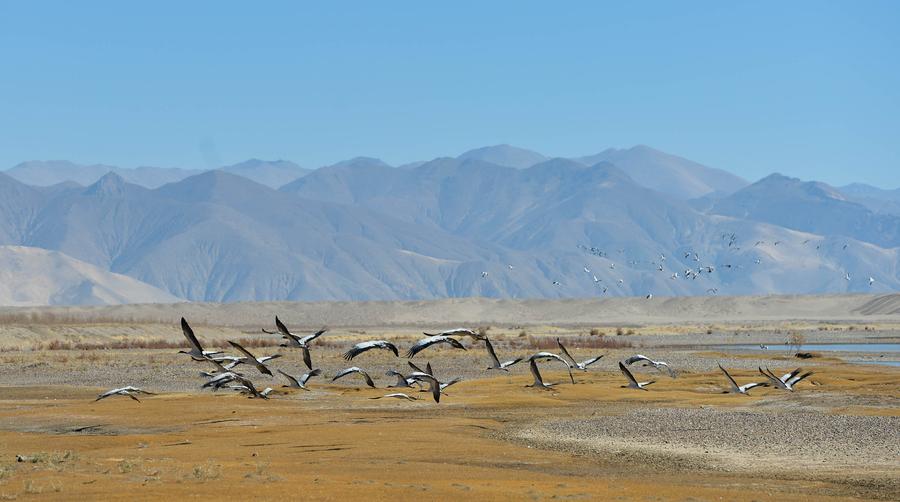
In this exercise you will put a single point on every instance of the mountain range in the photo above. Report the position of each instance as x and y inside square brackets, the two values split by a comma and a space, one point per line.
[496, 221]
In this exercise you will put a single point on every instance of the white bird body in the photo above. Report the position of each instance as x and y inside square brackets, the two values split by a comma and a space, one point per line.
[250, 392]
[300, 382]
[538, 381]
[255, 361]
[434, 386]
[547, 356]
[659, 365]
[124, 391]
[396, 395]
[786, 381]
[355, 369]
[300, 342]
[359, 348]
[495, 362]
[632, 383]
[197, 353]
[433, 340]
[219, 380]
[402, 381]
[572, 362]
[458, 332]
[740, 389]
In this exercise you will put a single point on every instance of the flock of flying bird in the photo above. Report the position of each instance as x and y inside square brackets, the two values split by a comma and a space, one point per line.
[224, 371]
[694, 272]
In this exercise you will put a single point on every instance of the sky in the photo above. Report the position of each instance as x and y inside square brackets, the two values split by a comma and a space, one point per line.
[807, 88]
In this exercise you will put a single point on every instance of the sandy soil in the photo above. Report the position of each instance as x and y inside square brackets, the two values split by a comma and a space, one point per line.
[836, 438]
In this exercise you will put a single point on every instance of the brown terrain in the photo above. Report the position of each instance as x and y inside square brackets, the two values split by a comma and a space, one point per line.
[837, 437]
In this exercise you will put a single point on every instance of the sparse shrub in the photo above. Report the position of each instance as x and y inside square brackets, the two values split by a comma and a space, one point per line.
[206, 472]
[523, 334]
[796, 341]
[597, 332]
[125, 466]
[619, 331]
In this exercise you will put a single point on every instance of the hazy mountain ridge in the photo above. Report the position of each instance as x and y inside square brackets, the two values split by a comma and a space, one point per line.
[450, 227]
[666, 173]
[48, 173]
[876, 199]
[810, 207]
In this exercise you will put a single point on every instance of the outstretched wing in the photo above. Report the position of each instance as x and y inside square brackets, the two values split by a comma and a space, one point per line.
[633, 359]
[733, 383]
[289, 377]
[491, 353]
[627, 374]
[591, 361]
[189, 334]
[564, 351]
[369, 381]
[282, 328]
[242, 350]
[422, 345]
[306, 376]
[309, 338]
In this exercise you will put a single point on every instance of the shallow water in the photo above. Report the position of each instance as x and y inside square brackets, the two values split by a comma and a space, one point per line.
[825, 347]
[892, 349]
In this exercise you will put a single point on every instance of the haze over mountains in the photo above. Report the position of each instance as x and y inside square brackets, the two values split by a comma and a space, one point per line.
[496, 221]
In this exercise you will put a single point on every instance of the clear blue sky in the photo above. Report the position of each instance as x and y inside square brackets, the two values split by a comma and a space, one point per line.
[810, 89]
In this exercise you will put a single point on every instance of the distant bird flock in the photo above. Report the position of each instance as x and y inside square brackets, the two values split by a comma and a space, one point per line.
[224, 374]
[696, 271]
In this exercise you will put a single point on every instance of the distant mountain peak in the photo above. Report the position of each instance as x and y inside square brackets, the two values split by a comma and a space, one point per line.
[110, 184]
[667, 173]
[254, 163]
[361, 161]
[812, 188]
[505, 155]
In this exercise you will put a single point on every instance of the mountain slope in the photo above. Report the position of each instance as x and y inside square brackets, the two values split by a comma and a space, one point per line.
[668, 173]
[221, 237]
[876, 199]
[32, 276]
[810, 207]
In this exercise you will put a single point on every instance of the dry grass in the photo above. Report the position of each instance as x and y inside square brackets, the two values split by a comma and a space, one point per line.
[110, 345]
[139, 343]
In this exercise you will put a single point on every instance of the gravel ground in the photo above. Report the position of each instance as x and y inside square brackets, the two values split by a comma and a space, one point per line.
[772, 439]
[861, 453]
